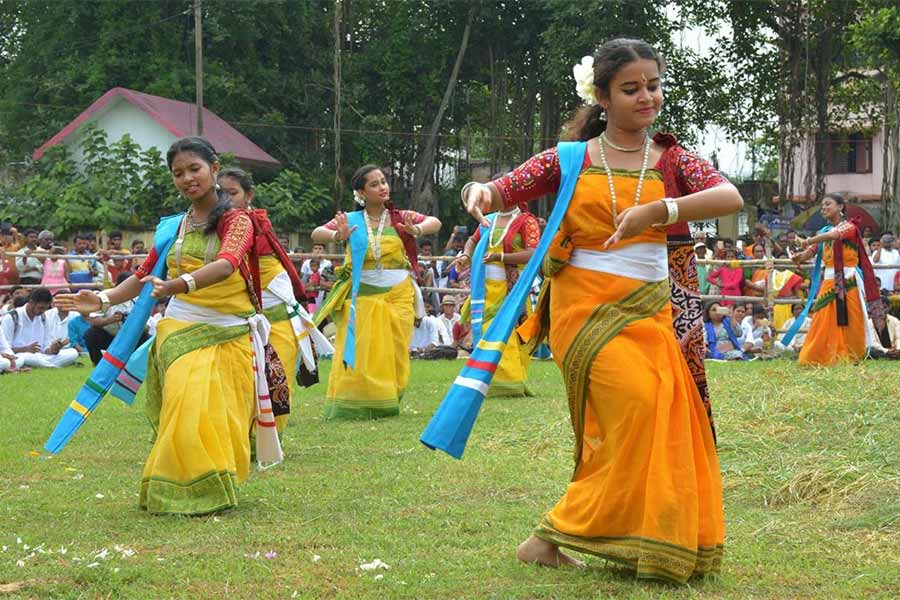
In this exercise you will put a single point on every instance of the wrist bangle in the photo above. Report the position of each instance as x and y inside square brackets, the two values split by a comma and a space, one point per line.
[104, 301]
[671, 212]
[190, 282]
[502, 256]
[465, 191]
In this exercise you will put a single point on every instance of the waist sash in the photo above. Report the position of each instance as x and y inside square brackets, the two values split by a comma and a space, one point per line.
[642, 261]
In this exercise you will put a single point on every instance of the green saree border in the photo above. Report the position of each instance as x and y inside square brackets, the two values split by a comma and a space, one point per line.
[336, 408]
[604, 324]
[211, 492]
[828, 297]
[649, 558]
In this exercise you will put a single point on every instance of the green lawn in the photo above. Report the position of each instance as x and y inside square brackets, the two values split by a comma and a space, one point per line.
[810, 459]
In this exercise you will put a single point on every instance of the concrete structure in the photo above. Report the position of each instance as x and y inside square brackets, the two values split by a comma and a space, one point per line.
[855, 166]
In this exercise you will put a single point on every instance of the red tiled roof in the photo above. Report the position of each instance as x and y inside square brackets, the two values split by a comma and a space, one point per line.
[177, 117]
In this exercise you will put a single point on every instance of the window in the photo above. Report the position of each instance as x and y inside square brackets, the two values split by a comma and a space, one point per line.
[848, 153]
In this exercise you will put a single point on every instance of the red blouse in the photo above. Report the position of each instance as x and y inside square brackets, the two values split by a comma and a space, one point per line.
[541, 174]
[237, 240]
[529, 230]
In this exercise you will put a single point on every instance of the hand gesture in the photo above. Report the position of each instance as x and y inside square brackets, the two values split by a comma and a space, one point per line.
[630, 222]
[477, 202]
[160, 287]
[461, 262]
[409, 226]
[83, 302]
[490, 257]
[32, 347]
[343, 226]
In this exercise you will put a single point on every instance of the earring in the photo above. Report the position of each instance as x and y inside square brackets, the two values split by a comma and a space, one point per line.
[218, 187]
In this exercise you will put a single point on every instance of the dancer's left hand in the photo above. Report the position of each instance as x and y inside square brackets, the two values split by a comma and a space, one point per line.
[632, 221]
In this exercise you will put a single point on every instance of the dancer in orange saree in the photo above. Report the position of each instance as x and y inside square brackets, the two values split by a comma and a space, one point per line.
[646, 490]
[842, 283]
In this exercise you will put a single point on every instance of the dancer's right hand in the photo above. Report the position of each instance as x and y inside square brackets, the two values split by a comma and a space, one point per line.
[84, 302]
[478, 201]
[343, 226]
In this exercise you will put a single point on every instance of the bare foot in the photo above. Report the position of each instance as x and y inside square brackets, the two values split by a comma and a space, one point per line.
[542, 552]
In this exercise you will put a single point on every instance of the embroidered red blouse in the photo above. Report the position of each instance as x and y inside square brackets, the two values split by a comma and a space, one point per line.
[541, 174]
[236, 232]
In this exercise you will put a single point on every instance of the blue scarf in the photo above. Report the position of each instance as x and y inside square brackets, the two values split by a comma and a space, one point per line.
[815, 283]
[359, 244]
[110, 366]
[452, 423]
[711, 340]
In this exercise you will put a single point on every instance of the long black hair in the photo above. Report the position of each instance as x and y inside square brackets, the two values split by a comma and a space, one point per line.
[202, 149]
[358, 181]
[589, 121]
[244, 179]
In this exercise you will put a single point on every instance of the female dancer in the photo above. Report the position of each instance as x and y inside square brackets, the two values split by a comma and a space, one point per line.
[201, 370]
[646, 490]
[375, 300]
[512, 238]
[292, 326]
[838, 330]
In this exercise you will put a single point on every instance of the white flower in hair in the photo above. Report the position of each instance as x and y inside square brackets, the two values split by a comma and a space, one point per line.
[584, 80]
[359, 198]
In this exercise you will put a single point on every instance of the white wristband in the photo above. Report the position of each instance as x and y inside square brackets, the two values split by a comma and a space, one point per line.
[190, 281]
[671, 212]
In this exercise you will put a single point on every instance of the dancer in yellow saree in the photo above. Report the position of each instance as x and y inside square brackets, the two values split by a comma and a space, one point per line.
[513, 237]
[203, 385]
[374, 301]
[646, 490]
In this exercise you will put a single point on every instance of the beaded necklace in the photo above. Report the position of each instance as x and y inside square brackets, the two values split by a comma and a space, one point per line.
[609, 176]
[375, 240]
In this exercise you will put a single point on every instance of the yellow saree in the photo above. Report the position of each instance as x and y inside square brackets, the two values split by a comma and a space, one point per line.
[200, 398]
[384, 328]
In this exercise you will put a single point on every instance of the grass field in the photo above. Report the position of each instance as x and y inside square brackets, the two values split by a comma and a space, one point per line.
[810, 461]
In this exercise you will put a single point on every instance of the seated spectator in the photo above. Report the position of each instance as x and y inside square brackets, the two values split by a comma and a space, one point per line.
[60, 325]
[885, 335]
[104, 327]
[7, 356]
[26, 330]
[449, 317]
[56, 270]
[426, 336]
[137, 247]
[323, 262]
[312, 284]
[721, 341]
[159, 311]
[9, 275]
[886, 255]
[462, 337]
[797, 342]
[17, 297]
[86, 269]
[30, 268]
[760, 333]
[729, 279]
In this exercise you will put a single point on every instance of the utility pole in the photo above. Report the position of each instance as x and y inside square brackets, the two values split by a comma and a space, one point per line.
[338, 184]
[198, 62]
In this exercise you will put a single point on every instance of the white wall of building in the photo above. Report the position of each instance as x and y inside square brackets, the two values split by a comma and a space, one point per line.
[118, 118]
[849, 184]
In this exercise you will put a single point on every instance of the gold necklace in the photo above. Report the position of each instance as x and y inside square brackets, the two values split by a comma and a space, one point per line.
[608, 142]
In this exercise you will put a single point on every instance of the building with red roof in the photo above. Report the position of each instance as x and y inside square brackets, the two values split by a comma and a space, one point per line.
[154, 121]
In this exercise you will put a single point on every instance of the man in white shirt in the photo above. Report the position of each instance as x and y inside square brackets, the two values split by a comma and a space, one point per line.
[31, 269]
[449, 317]
[886, 255]
[323, 262]
[887, 340]
[426, 335]
[27, 333]
[7, 358]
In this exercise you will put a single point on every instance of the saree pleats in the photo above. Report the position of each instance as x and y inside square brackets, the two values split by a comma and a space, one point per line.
[200, 402]
[828, 344]
[384, 330]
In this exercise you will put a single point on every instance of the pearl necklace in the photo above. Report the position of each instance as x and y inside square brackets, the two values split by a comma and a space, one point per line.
[513, 214]
[609, 176]
[375, 240]
[614, 146]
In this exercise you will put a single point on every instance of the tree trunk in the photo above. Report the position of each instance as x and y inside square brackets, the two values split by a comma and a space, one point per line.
[423, 176]
[890, 181]
[790, 112]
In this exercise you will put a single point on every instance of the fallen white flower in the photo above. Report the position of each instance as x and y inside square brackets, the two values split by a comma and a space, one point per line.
[116, 570]
[18, 541]
[379, 577]
[23, 487]
[26, 547]
[316, 557]
[93, 564]
[100, 496]
[20, 563]
[5, 548]
[62, 550]
[78, 476]
[102, 554]
[375, 564]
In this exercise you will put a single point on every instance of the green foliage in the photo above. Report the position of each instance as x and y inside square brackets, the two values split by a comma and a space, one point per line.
[114, 185]
[292, 201]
